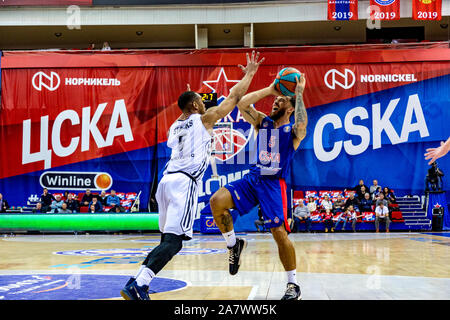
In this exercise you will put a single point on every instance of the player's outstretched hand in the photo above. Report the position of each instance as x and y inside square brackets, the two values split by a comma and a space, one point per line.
[252, 63]
[436, 153]
[301, 83]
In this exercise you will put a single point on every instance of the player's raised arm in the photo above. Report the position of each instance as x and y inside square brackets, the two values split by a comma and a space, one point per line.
[212, 115]
[436, 153]
[249, 112]
[301, 117]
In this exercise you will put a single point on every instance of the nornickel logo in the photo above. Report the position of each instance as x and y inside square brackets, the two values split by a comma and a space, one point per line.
[344, 80]
[42, 80]
[76, 180]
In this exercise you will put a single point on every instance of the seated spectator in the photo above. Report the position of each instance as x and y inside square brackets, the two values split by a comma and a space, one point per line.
[92, 209]
[339, 205]
[353, 217]
[363, 193]
[376, 193]
[87, 198]
[98, 206]
[327, 219]
[72, 204]
[113, 200]
[341, 218]
[374, 186]
[38, 208]
[311, 204]
[352, 201]
[3, 204]
[46, 200]
[389, 195]
[65, 196]
[327, 203]
[382, 213]
[366, 203]
[302, 213]
[357, 189]
[102, 198]
[64, 209]
[56, 204]
[381, 199]
[117, 209]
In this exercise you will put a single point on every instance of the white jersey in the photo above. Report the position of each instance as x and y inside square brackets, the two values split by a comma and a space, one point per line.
[191, 147]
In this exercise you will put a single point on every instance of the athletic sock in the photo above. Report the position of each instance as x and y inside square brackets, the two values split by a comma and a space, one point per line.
[139, 271]
[230, 238]
[292, 276]
[145, 276]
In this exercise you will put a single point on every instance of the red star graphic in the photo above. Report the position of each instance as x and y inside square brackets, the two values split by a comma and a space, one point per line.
[437, 205]
[222, 85]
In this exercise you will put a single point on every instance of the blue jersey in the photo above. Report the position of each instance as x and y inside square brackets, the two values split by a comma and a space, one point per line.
[275, 149]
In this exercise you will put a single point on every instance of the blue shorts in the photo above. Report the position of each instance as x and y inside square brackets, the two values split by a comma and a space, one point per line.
[268, 192]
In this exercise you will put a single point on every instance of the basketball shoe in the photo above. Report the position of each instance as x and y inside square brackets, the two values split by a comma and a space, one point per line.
[135, 292]
[292, 292]
[234, 255]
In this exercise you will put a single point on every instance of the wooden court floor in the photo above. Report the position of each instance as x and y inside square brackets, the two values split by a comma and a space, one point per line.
[337, 266]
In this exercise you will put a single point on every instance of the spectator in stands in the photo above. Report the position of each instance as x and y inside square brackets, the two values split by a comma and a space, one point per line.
[352, 201]
[374, 186]
[382, 213]
[389, 195]
[117, 209]
[38, 208]
[327, 219]
[363, 193]
[113, 200]
[3, 204]
[92, 209]
[311, 205]
[302, 213]
[353, 217]
[87, 198]
[376, 193]
[64, 209]
[98, 206]
[258, 223]
[56, 204]
[102, 198]
[65, 196]
[366, 204]
[327, 203]
[381, 199]
[339, 205]
[46, 200]
[342, 218]
[72, 204]
[357, 189]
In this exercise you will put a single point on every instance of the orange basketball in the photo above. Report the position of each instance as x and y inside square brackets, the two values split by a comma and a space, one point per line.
[285, 82]
[103, 181]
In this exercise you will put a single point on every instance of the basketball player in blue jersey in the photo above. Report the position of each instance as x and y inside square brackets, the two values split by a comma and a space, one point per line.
[277, 141]
[189, 139]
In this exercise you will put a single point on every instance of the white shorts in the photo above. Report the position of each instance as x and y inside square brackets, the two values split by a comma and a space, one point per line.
[177, 197]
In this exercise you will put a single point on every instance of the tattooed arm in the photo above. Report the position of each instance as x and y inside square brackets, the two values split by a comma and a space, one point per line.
[301, 117]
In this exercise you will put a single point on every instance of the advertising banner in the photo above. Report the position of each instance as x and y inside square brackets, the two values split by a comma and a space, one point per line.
[78, 120]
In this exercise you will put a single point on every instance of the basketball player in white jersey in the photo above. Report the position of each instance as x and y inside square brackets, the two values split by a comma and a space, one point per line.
[177, 194]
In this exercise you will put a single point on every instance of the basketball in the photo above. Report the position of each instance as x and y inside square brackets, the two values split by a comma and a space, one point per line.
[285, 82]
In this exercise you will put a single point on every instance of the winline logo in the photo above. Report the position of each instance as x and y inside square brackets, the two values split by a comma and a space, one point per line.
[76, 180]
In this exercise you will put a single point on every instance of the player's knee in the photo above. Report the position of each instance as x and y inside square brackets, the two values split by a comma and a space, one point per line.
[174, 242]
[218, 201]
[279, 234]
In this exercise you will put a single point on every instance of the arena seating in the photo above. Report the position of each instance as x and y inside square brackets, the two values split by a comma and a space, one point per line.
[316, 217]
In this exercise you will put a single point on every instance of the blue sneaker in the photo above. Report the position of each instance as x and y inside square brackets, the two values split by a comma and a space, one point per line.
[135, 292]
